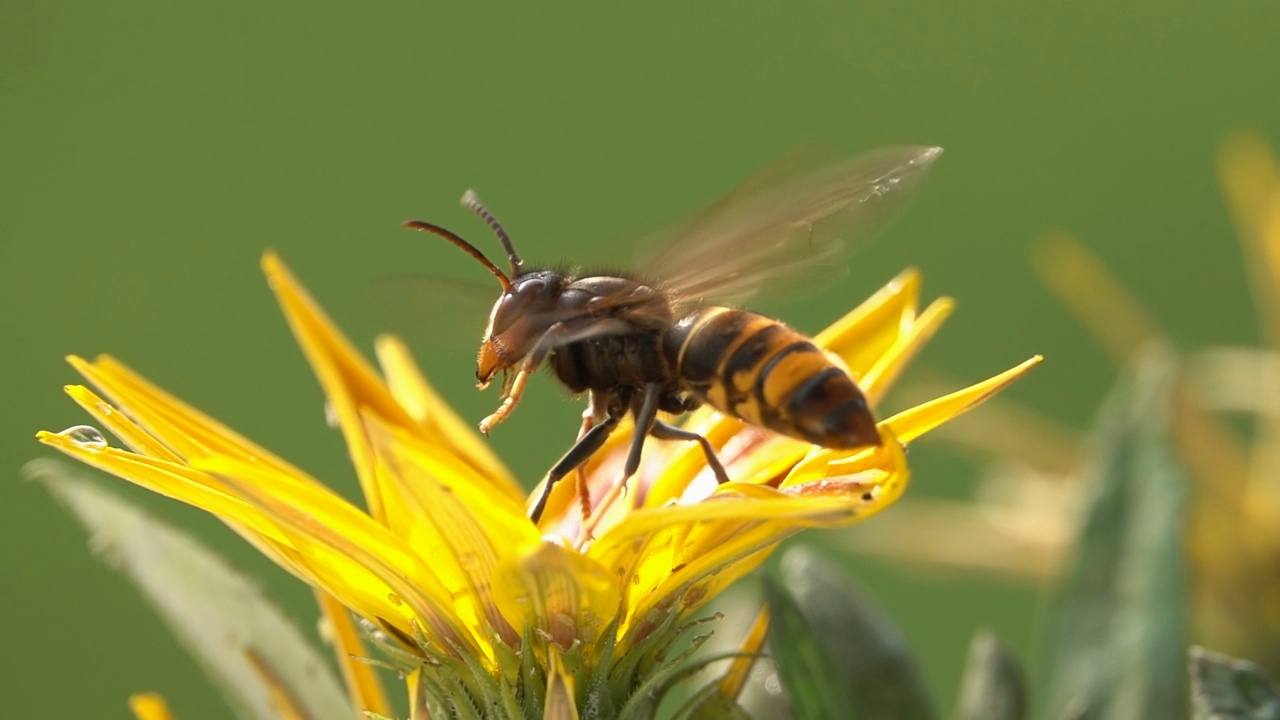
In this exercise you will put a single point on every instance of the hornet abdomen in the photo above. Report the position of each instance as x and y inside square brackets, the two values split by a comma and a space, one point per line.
[761, 371]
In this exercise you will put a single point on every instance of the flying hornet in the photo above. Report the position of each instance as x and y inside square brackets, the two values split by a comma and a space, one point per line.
[672, 336]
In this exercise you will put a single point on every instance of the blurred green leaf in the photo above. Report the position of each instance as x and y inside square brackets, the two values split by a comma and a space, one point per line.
[806, 670]
[217, 613]
[993, 687]
[1118, 635]
[832, 644]
[1223, 688]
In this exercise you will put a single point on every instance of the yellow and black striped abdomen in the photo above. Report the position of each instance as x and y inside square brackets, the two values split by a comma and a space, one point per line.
[757, 369]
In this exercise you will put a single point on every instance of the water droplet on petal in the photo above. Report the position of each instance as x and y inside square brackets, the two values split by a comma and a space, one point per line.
[105, 409]
[85, 436]
[330, 415]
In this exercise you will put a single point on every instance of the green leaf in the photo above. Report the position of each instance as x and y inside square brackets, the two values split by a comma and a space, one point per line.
[803, 665]
[218, 614]
[835, 649]
[1119, 632]
[1223, 688]
[993, 687]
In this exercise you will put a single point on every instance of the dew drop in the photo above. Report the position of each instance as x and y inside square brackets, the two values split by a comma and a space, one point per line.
[331, 415]
[105, 409]
[85, 436]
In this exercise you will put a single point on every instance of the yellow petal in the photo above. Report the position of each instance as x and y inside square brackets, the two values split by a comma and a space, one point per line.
[348, 381]
[865, 333]
[361, 680]
[911, 424]
[421, 401]
[186, 431]
[674, 558]
[168, 479]
[557, 593]
[356, 558]
[880, 377]
[735, 678]
[906, 426]
[464, 527]
[197, 489]
[122, 427]
[1251, 181]
[149, 706]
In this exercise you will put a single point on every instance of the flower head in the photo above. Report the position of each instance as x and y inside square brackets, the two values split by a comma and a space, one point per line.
[443, 559]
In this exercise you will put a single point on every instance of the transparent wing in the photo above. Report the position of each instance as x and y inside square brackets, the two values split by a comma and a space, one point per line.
[788, 225]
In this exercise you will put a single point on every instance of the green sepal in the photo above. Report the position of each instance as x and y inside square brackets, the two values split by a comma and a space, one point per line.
[994, 686]
[804, 667]
[533, 679]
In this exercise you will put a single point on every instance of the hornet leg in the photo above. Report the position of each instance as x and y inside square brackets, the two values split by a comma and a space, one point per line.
[596, 412]
[591, 441]
[663, 431]
[645, 418]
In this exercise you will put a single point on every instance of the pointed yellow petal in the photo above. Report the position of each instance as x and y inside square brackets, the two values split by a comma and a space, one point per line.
[183, 429]
[714, 554]
[348, 381]
[881, 376]
[168, 479]
[421, 401]
[464, 527]
[357, 559]
[674, 558]
[360, 679]
[197, 489]
[869, 330]
[735, 678]
[911, 424]
[122, 427]
[149, 706]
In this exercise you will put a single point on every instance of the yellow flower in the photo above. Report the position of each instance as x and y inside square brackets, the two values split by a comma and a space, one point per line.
[444, 559]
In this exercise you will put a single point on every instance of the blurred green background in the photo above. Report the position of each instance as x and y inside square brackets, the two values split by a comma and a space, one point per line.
[149, 153]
